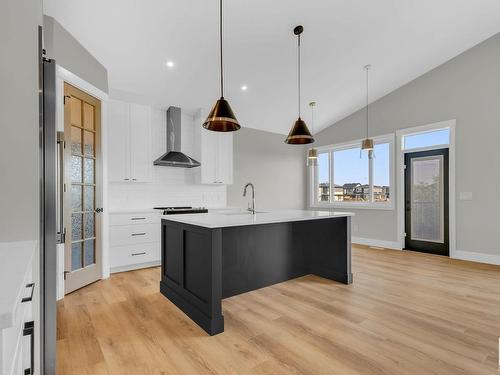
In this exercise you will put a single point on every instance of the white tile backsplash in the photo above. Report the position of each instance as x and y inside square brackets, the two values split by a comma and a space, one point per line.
[170, 186]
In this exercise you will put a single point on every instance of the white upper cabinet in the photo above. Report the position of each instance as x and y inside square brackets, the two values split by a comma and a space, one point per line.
[216, 157]
[129, 142]
[140, 144]
[118, 141]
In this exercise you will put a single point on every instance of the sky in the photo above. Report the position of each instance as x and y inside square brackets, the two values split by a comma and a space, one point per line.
[350, 167]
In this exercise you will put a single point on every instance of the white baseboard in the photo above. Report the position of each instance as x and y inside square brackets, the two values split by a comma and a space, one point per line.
[458, 254]
[476, 257]
[377, 243]
[136, 266]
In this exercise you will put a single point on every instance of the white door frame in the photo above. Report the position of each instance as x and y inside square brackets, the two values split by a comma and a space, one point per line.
[63, 75]
[400, 152]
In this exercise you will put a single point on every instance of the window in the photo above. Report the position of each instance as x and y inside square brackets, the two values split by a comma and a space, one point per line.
[350, 174]
[324, 177]
[345, 176]
[427, 139]
[381, 173]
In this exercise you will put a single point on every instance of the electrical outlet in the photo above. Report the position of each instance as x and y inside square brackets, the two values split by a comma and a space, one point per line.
[466, 195]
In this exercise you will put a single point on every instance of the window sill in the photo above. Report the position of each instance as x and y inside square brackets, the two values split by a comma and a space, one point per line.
[350, 206]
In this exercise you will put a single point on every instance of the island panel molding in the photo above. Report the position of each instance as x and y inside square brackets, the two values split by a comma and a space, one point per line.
[201, 266]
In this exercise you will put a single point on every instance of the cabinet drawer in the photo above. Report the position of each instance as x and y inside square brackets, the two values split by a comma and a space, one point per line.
[16, 348]
[122, 235]
[135, 218]
[128, 255]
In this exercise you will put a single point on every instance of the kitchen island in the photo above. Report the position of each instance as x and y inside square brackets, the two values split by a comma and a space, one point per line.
[208, 257]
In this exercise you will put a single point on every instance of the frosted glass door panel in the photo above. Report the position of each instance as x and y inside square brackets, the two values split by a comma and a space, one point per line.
[427, 199]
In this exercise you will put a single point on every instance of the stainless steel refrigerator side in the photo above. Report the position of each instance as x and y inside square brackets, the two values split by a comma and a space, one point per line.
[48, 225]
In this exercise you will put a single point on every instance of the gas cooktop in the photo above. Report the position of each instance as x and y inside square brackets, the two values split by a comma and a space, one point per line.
[182, 210]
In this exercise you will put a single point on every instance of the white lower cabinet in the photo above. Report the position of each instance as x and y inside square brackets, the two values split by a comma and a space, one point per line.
[134, 241]
[17, 328]
[131, 255]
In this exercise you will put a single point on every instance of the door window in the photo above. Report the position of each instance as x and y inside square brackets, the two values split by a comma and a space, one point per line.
[83, 187]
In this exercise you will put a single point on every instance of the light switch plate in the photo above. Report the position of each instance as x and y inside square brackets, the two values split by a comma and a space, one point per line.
[465, 195]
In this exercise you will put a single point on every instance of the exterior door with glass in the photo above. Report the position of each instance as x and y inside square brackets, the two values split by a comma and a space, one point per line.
[426, 201]
[82, 188]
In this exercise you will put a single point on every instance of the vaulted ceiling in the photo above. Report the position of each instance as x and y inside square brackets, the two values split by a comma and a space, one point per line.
[401, 39]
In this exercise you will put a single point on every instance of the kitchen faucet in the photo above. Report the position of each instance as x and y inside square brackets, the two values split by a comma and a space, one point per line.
[252, 208]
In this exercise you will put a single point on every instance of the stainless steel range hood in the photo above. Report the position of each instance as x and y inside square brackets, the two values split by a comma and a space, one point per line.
[174, 157]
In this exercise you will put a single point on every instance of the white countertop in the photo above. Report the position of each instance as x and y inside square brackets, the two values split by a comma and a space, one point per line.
[15, 257]
[235, 218]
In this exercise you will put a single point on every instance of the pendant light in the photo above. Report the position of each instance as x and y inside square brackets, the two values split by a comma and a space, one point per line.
[299, 134]
[221, 118]
[312, 154]
[367, 143]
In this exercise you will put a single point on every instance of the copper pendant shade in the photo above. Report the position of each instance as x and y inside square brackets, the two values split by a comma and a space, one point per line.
[221, 118]
[299, 134]
[367, 144]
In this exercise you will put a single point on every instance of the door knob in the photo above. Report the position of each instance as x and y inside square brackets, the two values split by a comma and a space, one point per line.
[99, 210]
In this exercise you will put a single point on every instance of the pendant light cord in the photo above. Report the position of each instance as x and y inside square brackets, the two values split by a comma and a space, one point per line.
[298, 69]
[221, 62]
[312, 122]
[312, 119]
[367, 69]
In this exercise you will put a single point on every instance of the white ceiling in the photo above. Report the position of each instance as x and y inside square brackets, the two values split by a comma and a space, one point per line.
[402, 39]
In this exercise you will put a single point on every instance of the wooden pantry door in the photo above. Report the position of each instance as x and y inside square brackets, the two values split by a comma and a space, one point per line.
[83, 188]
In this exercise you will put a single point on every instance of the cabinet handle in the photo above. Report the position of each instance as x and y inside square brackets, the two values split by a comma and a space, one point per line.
[135, 254]
[30, 298]
[134, 179]
[138, 218]
[138, 234]
[126, 179]
[29, 330]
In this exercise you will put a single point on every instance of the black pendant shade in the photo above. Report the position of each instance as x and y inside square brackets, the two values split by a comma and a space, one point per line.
[300, 134]
[221, 118]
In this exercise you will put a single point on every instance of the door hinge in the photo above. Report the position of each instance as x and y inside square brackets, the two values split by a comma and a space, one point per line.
[405, 234]
[66, 97]
[61, 237]
[404, 166]
[65, 273]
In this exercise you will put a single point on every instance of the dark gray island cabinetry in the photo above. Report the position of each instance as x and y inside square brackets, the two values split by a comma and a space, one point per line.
[208, 257]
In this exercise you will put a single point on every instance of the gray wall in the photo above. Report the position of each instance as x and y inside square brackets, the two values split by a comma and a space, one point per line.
[19, 197]
[466, 88]
[71, 55]
[277, 170]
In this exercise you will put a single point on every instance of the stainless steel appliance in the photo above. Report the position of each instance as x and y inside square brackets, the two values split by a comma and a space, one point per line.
[51, 231]
[182, 210]
[174, 157]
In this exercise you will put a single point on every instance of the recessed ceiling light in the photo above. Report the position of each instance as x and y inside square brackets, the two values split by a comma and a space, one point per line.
[244, 88]
[170, 64]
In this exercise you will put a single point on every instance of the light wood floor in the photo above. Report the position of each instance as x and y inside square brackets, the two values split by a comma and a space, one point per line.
[405, 313]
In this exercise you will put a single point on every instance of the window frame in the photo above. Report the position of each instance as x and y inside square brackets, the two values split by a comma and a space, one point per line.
[330, 149]
[425, 148]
